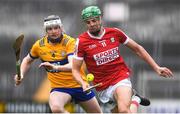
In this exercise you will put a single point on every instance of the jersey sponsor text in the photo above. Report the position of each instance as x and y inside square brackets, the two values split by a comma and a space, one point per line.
[106, 56]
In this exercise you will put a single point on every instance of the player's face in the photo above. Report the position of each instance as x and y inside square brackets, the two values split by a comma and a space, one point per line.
[54, 31]
[94, 25]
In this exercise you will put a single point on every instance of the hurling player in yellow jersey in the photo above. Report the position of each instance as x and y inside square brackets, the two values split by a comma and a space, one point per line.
[55, 50]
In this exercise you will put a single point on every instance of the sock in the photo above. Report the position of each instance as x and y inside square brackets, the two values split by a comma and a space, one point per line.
[135, 100]
[135, 103]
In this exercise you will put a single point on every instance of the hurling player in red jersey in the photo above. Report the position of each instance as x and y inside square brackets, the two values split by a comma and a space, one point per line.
[99, 48]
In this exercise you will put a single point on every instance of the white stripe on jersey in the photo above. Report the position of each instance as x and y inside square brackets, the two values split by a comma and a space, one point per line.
[76, 51]
[127, 40]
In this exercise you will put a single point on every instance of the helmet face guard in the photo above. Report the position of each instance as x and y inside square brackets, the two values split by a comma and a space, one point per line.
[52, 20]
[89, 12]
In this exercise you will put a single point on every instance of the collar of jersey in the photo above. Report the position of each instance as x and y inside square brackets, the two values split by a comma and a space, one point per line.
[58, 40]
[97, 37]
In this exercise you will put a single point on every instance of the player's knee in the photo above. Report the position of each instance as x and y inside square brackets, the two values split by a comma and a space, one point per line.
[57, 109]
[123, 108]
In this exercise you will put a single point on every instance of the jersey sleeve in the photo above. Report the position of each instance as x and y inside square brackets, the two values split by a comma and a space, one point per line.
[34, 51]
[123, 38]
[79, 52]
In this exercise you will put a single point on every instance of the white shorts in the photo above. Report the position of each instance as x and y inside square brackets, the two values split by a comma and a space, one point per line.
[106, 95]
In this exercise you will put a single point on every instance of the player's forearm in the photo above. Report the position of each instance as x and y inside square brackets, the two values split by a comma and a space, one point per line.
[76, 67]
[142, 53]
[66, 67]
[77, 76]
[25, 65]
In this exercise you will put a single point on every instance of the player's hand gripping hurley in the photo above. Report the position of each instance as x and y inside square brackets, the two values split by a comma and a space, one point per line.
[17, 49]
[90, 77]
[92, 87]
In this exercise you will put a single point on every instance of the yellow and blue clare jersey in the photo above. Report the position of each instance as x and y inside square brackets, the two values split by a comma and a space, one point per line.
[57, 54]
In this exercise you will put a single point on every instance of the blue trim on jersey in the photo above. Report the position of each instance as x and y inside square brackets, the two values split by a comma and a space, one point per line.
[62, 62]
[32, 56]
[70, 54]
[77, 94]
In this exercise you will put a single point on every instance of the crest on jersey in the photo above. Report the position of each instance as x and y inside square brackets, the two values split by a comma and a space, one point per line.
[112, 39]
[53, 53]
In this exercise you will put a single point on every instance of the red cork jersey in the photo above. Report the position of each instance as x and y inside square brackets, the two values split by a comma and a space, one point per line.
[102, 56]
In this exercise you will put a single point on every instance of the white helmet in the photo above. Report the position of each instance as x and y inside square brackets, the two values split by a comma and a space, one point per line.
[52, 20]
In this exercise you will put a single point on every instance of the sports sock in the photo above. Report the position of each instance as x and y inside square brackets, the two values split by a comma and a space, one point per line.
[136, 100]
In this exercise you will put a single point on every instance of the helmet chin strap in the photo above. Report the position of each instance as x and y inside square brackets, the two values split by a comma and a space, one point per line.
[57, 40]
